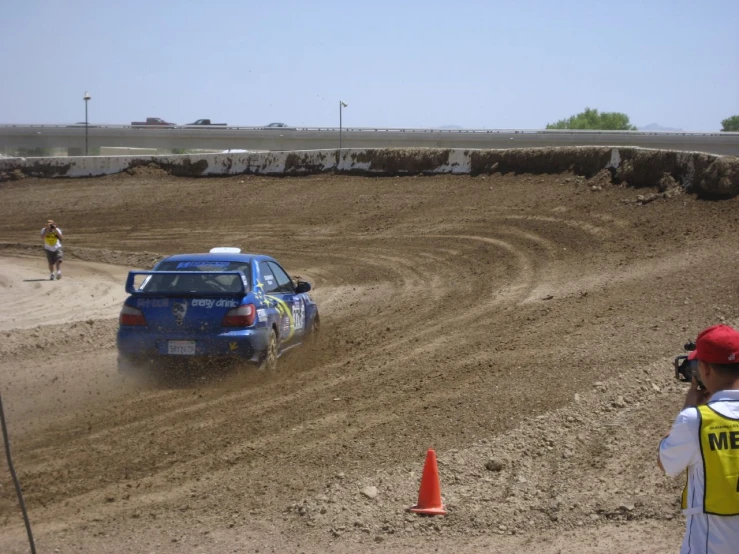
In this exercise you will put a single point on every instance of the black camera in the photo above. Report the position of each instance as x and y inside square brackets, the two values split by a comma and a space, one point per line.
[686, 369]
[52, 226]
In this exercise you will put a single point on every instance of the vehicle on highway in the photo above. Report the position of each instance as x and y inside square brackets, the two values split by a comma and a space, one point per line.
[205, 122]
[277, 126]
[153, 122]
[83, 124]
[220, 306]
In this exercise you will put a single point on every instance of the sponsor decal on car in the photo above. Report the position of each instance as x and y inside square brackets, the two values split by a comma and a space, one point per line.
[213, 303]
[152, 303]
[203, 266]
[179, 309]
[285, 311]
[298, 314]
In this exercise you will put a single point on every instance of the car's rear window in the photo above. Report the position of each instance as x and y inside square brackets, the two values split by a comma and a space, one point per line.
[191, 283]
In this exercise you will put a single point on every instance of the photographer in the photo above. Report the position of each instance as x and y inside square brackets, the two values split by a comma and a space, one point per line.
[51, 235]
[704, 439]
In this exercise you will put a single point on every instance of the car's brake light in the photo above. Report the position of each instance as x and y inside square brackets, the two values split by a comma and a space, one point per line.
[243, 316]
[132, 316]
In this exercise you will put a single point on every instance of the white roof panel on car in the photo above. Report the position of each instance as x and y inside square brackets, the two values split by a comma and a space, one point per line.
[225, 250]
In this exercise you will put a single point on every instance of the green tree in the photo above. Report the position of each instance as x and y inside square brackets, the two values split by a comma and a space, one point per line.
[592, 119]
[731, 124]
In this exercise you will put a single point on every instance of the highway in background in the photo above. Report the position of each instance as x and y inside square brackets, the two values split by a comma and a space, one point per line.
[72, 137]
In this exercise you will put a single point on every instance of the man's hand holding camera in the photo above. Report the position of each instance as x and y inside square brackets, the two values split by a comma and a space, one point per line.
[697, 395]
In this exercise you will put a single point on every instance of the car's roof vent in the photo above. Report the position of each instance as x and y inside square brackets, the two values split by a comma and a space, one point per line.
[225, 250]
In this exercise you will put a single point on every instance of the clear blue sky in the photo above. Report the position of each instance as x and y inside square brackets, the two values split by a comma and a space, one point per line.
[478, 64]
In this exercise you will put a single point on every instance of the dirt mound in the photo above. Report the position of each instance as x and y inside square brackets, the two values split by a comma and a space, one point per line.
[92, 334]
[150, 170]
[393, 161]
[14, 175]
[522, 325]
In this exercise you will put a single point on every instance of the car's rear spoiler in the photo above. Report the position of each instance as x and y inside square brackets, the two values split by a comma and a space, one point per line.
[131, 289]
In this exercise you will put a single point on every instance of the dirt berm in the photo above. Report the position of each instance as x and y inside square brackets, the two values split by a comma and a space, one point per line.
[521, 322]
[706, 174]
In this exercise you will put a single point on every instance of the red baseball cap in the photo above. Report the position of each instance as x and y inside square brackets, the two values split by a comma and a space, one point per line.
[717, 345]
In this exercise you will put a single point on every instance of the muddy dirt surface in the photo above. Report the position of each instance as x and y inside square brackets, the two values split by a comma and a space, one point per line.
[523, 326]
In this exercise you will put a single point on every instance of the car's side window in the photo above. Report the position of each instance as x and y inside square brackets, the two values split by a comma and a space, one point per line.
[270, 283]
[283, 280]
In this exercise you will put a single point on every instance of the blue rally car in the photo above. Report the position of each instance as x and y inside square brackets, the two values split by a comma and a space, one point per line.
[223, 305]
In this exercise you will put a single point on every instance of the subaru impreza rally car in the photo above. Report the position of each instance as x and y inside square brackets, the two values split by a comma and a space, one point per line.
[223, 305]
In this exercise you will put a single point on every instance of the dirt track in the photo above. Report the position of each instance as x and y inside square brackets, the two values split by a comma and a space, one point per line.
[529, 320]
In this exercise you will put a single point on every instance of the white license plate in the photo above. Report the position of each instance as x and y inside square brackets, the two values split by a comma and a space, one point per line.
[181, 347]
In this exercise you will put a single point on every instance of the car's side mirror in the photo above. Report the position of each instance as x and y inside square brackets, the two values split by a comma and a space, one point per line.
[303, 286]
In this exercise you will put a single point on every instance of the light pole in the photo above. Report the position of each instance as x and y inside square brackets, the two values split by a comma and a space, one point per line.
[86, 98]
[341, 106]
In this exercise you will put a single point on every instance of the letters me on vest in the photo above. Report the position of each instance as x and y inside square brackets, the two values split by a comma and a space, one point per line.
[719, 442]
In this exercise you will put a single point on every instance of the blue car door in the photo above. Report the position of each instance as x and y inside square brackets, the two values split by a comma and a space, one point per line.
[280, 293]
[277, 303]
[295, 302]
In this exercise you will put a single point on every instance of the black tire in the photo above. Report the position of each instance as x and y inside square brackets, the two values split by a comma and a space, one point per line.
[269, 358]
[315, 329]
[130, 366]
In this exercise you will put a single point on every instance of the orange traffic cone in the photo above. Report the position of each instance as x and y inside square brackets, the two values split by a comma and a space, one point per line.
[429, 496]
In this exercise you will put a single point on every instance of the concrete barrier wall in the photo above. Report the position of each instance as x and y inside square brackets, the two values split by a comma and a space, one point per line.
[706, 174]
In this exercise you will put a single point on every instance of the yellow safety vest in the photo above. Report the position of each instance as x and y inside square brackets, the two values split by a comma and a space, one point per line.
[719, 443]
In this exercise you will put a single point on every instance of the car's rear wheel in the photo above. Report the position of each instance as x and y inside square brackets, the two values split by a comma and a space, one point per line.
[269, 358]
[128, 365]
[137, 369]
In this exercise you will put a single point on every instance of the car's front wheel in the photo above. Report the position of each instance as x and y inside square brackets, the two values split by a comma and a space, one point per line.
[315, 329]
[269, 358]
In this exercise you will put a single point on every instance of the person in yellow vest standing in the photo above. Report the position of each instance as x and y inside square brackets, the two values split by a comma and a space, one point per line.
[51, 235]
[704, 440]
